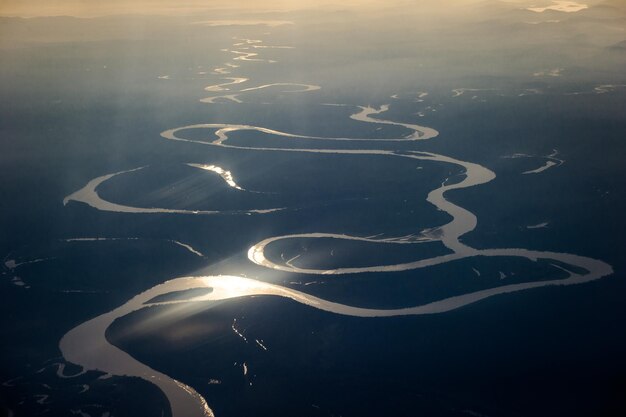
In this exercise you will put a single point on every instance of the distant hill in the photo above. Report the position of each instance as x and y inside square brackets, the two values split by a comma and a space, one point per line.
[620, 46]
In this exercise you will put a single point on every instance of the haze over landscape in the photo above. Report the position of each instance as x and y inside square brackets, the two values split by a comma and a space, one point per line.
[283, 208]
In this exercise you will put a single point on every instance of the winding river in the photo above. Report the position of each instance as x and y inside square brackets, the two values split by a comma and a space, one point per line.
[87, 346]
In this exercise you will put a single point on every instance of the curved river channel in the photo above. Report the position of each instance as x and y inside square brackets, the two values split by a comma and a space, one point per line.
[87, 346]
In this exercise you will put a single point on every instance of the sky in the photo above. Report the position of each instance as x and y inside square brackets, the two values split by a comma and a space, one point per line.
[90, 8]
[87, 8]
